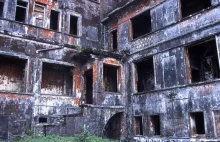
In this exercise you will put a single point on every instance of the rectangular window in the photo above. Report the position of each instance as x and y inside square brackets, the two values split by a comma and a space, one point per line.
[12, 74]
[42, 120]
[197, 123]
[155, 124]
[21, 11]
[138, 125]
[56, 80]
[1, 8]
[54, 20]
[203, 60]
[39, 14]
[145, 75]
[114, 39]
[110, 77]
[141, 24]
[190, 7]
[73, 27]
[88, 85]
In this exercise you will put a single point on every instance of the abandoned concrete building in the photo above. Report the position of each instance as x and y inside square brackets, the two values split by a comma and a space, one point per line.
[121, 69]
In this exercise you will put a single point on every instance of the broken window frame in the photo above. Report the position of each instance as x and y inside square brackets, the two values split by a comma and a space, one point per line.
[154, 126]
[113, 43]
[3, 7]
[188, 65]
[141, 130]
[132, 25]
[37, 11]
[26, 10]
[194, 13]
[192, 124]
[67, 71]
[135, 65]
[113, 66]
[24, 74]
[58, 20]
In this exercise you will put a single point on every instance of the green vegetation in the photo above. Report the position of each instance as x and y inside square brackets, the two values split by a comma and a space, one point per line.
[53, 138]
[85, 137]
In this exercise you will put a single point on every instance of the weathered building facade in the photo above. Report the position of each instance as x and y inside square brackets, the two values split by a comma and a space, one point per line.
[138, 70]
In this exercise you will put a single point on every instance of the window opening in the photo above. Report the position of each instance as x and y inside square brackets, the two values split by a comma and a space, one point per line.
[54, 20]
[203, 60]
[73, 25]
[193, 6]
[155, 124]
[88, 87]
[56, 80]
[21, 11]
[42, 120]
[1, 8]
[141, 24]
[138, 125]
[12, 74]
[39, 14]
[110, 78]
[145, 75]
[197, 123]
[114, 39]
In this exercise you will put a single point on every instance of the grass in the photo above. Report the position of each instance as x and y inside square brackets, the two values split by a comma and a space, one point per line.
[84, 137]
[54, 138]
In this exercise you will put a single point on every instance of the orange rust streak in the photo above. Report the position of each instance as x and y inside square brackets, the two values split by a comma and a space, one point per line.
[77, 101]
[77, 77]
[111, 61]
[43, 1]
[95, 64]
[13, 96]
[71, 40]
[48, 33]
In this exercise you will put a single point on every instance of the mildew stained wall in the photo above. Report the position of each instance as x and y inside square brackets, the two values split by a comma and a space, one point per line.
[174, 97]
[22, 109]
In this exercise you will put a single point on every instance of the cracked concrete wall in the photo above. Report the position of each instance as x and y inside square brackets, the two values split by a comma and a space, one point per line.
[174, 97]
[21, 41]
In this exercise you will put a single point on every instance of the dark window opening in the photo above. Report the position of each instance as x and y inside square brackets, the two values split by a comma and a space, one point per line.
[42, 120]
[193, 6]
[155, 124]
[73, 25]
[110, 75]
[203, 60]
[145, 75]
[56, 80]
[1, 8]
[54, 20]
[114, 39]
[197, 123]
[141, 24]
[138, 125]
[21, 10]
[12, 74]
[88, 87]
